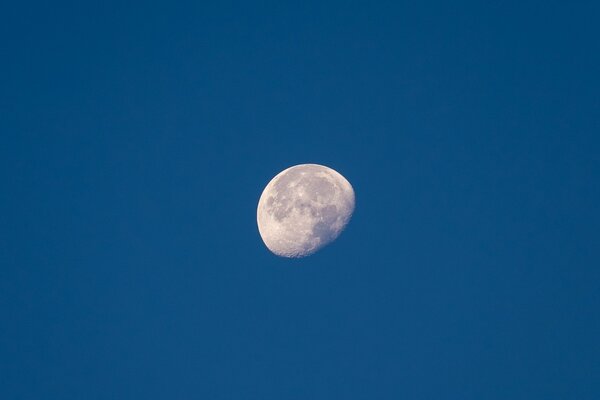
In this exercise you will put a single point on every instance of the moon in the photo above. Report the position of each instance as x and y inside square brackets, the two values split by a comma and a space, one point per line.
[303, 209]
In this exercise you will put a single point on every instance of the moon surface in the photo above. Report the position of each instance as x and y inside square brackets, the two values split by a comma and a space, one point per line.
[303, 209]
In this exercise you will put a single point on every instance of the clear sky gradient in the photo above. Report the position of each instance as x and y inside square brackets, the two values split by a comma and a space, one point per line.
[135, 143]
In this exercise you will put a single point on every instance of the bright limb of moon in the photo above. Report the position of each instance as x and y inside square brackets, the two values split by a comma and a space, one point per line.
[304, 208]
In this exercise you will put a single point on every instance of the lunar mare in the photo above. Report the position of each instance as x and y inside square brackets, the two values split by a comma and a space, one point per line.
[303, 209]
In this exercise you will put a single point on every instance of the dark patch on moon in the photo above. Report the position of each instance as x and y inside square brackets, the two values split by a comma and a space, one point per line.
[324, 229]
[282, 208]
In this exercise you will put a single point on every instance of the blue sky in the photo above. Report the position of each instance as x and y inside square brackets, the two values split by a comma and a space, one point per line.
[136, 140]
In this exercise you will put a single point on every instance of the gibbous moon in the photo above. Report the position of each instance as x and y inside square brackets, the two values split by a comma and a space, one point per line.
[303, 209]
